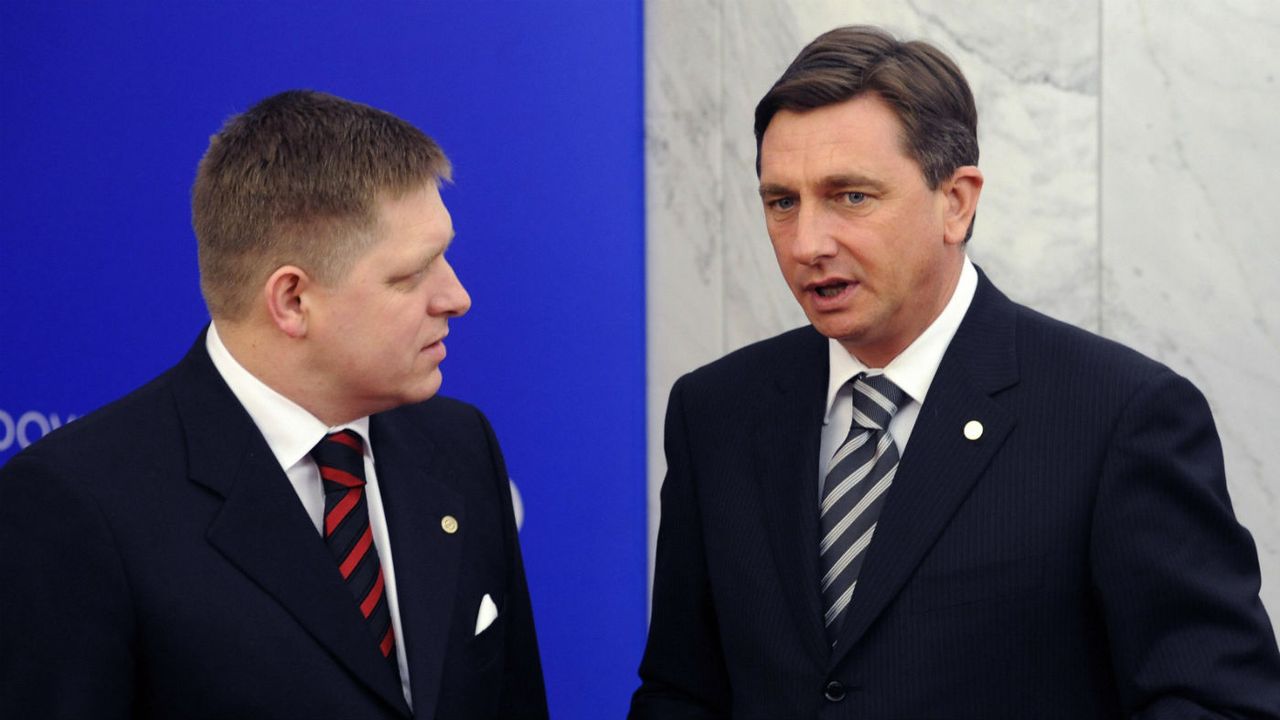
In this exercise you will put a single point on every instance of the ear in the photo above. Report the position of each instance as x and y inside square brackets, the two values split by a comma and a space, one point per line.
[284, 295]
[961, 192]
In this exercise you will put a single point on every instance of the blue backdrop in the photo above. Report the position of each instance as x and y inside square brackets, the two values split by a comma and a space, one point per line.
[106, 110]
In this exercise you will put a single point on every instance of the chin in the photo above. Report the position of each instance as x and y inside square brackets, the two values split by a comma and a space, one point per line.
[411, 394]
[837, 330]
[429, 387]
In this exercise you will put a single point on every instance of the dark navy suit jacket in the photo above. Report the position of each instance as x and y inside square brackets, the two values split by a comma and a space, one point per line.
[155, 563]
[1078, 560]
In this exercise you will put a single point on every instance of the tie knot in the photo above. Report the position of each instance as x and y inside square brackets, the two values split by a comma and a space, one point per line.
[340, 457]
[875, 400]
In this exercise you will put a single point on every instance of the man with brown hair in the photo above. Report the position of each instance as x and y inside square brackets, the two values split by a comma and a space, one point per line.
[290, 522]
[934, 502]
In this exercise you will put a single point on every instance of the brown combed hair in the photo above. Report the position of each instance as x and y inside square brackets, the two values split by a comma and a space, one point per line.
[296, 180]
[923, 86]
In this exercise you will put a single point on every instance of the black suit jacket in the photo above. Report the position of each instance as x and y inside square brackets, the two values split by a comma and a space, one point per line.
[156, 563]
[1079, 560]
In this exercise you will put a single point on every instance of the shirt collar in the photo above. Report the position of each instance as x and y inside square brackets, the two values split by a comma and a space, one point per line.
[290, 431]
[913, 369]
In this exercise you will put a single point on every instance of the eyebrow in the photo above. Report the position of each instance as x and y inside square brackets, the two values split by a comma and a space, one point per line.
[767, 189]
[852, 180]
[828, 183]
[425, 260]
[445, 248]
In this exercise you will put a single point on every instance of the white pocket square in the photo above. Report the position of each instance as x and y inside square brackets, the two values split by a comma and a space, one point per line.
[488, 613]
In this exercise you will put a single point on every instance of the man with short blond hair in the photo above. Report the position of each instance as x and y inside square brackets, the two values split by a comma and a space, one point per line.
[290, 522]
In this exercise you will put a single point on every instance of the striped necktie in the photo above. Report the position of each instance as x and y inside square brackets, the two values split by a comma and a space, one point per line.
[858, 477]
[340, 457]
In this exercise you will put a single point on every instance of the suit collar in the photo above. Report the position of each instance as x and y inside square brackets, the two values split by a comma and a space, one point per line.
[941, 465]
[985, 344]
[263, 530]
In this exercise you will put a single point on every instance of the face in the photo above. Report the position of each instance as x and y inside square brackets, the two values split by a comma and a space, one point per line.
[870, 252]
[377, 335]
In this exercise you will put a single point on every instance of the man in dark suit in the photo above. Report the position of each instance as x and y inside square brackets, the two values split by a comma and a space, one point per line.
[934, 502]
[289, 523]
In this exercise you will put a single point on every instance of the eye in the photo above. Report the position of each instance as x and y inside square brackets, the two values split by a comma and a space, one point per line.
[854, 198]
[782, 203]
[408, 281]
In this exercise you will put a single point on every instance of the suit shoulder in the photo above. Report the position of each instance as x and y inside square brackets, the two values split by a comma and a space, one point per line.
[1057, 353]
[1039, 333]
[120, 441]
[127, 424]
[762, 360]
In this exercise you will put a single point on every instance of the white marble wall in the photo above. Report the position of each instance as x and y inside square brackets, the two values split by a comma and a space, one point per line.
[1127, 150]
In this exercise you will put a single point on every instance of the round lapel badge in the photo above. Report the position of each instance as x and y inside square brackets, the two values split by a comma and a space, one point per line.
[972, 430]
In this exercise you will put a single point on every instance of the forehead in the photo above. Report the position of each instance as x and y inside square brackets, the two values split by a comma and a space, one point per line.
[417, 213]
[861, 134]
[408, 230]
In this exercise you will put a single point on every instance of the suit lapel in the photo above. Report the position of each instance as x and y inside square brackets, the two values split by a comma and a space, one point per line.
[263, 530]
[410, 472]
[786, 441]
[941, 464]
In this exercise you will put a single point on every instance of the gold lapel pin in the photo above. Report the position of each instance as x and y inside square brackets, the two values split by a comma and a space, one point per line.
[972, 430]
[449, 524]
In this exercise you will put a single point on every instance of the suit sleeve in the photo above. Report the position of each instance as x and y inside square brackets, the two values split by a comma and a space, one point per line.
[683, 673]
[65, 617]
[1175, 573]
[523, 690]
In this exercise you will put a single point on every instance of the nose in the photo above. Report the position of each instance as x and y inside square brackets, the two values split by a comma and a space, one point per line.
[813, 240]
[451, 299]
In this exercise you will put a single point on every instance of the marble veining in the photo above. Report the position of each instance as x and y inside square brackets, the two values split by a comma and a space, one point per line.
[1188, 245]
[684, 248]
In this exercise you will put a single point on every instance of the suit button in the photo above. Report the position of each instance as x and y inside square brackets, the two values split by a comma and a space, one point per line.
[834, 691]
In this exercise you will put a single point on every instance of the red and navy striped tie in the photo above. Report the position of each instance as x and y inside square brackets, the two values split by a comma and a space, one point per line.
[340, 457]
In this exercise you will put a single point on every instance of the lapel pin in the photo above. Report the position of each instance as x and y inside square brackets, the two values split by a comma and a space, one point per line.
[972, 430]
[449, 524]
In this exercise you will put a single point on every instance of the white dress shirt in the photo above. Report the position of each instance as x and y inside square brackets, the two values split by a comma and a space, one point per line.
[291, 432]
[912, 370]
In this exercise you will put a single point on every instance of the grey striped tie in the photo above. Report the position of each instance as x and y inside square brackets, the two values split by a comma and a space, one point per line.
[858, 477]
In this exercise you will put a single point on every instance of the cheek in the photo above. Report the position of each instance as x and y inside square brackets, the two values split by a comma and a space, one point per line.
[402, 314]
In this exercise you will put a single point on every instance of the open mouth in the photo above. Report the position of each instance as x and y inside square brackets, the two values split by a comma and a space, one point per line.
[831, 289]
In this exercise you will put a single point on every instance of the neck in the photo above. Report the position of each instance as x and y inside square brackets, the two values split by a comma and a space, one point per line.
[276, 360]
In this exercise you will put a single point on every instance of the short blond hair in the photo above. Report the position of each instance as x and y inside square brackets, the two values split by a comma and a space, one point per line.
[295, 180]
